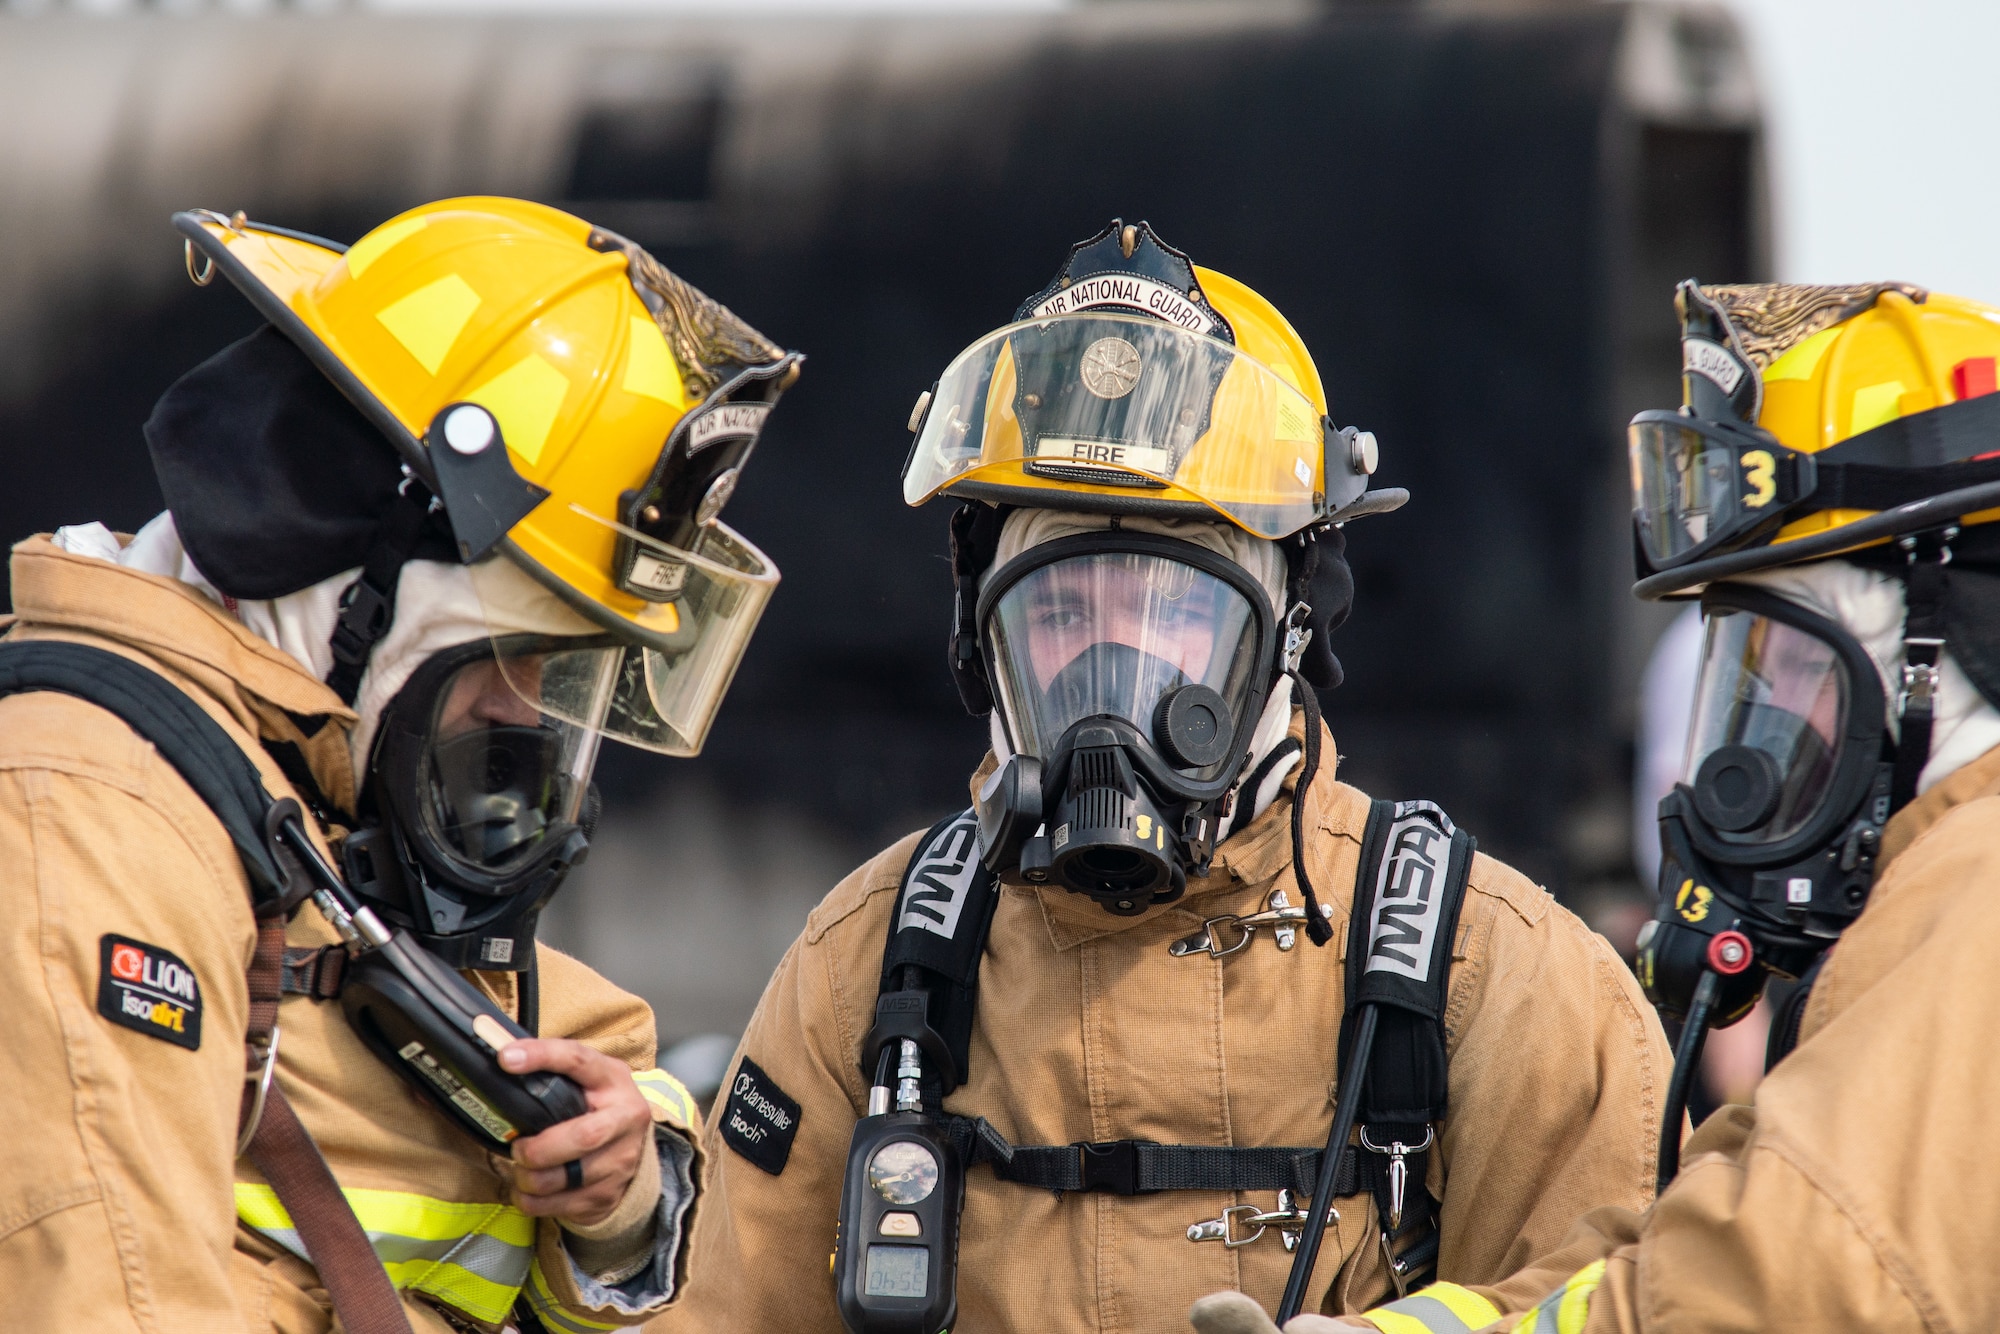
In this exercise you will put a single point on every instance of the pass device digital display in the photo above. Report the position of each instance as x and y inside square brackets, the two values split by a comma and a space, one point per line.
[897, 1271]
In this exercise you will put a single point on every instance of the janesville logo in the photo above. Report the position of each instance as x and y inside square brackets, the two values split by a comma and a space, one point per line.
[148, 990]
[759, 1120]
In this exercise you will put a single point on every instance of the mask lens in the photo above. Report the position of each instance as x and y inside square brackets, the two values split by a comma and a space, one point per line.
[1112, 633]
[1771, 706]
[1684, 490]
[499, 775]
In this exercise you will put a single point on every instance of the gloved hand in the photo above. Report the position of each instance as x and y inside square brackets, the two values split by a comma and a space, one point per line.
[1234, 1313]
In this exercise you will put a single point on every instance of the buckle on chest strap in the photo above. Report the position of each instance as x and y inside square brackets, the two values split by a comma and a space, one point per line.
[1111, 1165]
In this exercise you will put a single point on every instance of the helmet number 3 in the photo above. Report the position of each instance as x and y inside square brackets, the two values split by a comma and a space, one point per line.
[1760, 474]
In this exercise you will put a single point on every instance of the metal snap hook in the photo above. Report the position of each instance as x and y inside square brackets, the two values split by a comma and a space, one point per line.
[259, 1074]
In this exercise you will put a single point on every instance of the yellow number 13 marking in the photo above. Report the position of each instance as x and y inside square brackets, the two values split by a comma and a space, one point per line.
[1760, 473]
[1693, 901]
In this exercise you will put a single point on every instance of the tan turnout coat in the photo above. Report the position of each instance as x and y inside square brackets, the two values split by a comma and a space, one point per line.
[118, 1178]
[1850, 1196]
[1088, 1030]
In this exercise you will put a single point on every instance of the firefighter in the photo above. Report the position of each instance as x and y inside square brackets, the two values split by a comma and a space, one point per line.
[1114, 987]
[433, 532]
[1827, 489]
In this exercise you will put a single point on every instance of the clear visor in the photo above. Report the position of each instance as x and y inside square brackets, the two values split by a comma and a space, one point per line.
[1771, 706]
[1114, 633]
[1133, 405]
[1690, 489]
[498, 775]
[656, 679]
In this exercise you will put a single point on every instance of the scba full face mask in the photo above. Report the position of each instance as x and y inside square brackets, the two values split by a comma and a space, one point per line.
[481, 799]
[1128, 671]
[1770, 838]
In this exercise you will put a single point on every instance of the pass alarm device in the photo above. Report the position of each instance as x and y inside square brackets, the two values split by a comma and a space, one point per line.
[895, 1258]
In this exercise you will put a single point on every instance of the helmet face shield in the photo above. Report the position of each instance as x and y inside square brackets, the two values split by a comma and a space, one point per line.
[1120, 405]
[1788, 718]
[1129, 635]
[1698, 486]
[657, 681]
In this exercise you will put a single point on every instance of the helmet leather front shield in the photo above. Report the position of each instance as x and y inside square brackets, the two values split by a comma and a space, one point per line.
[1114, 633]
[1124, 406]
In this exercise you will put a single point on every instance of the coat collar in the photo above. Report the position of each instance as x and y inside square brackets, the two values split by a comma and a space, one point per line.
[1969, 782]
[61, 595]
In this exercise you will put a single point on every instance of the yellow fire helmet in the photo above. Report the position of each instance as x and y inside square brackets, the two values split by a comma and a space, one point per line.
[1815, 421]
[579, 412]
[1137, 383]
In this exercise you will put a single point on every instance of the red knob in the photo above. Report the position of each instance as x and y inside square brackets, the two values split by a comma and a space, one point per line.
[1730, 953]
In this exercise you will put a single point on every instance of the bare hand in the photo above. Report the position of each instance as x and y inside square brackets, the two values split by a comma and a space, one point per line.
[609, 1139]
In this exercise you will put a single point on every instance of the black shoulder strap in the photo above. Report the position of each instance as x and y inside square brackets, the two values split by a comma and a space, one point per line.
[225, 779]
[937, 935]
[186, 737]
[1408, 890]
[1791, 1014]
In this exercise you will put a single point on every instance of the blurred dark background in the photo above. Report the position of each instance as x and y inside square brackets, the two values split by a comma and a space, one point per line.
[1474, 214]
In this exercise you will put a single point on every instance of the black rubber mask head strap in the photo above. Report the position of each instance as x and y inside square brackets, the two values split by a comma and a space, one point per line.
[1320, 591]
[1923, 645]
[368, 607]
[975, 538]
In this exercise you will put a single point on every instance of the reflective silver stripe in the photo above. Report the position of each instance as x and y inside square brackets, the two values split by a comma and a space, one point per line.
[487, 1256]
[1431, 1313]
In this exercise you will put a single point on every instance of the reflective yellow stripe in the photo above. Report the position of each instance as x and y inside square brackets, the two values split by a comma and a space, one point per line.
[1565, 1310]
[1574, 1311]
[670, 1096]
[474, 1257]
[1468, 1306]
[550, 1311]
[1442, 1308]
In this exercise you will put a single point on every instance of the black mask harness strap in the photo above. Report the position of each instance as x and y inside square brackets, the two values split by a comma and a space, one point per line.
[1927, 554]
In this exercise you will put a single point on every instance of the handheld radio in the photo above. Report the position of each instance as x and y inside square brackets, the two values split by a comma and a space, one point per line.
[895, 1258]
[426, 1022]
[443, 1035]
